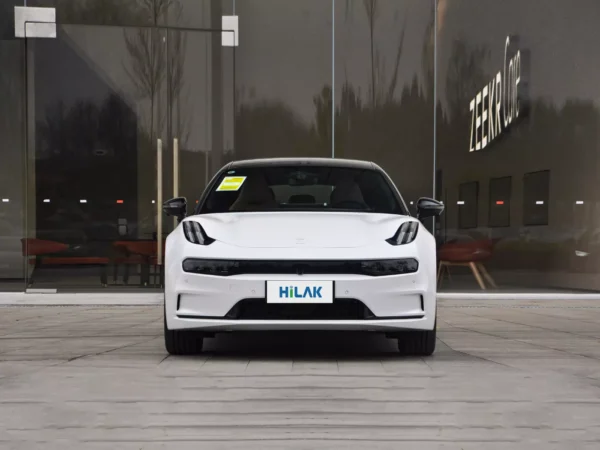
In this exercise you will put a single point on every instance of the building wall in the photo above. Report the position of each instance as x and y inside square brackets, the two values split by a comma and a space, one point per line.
[353, 79]
[560, 134]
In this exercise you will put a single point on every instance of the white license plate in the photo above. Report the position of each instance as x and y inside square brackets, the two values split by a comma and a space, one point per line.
[299, 291]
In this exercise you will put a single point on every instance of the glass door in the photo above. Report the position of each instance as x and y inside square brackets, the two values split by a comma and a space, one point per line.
[111, 110]
[200, 119]
[200, 122]
[11, 162]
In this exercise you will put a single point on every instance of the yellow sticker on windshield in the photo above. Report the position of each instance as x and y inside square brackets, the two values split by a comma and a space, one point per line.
[231, 183]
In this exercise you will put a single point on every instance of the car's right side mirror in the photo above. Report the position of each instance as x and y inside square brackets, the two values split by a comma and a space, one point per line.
[176, 207]
[428, 207]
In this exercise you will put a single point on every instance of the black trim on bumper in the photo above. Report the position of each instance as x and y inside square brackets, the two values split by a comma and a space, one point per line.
[238, 320]
[185, 316]
[340, 309]
[372, 268]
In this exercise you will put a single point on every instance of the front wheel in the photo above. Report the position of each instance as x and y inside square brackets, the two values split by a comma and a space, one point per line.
[417, 342]
[182, 342]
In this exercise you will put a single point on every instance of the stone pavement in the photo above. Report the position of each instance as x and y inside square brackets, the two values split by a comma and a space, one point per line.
[506, 375]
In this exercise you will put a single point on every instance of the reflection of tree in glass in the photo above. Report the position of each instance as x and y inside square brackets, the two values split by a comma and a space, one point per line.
[428, 54]
[372, 12]
[322, 125]
[147, 70]
[77, 132]
[466, 75]
[268, 128]
[379, 89]
[177, 42]
[271, 129]
[351, 112]
[151, 62]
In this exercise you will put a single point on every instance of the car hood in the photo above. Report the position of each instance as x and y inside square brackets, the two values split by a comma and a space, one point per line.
[300, 229]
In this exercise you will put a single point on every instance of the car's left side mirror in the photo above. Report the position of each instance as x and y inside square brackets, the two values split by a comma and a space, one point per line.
[428, 207]
[176, 207]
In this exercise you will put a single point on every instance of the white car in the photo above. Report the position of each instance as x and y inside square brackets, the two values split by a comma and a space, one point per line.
[300, 244]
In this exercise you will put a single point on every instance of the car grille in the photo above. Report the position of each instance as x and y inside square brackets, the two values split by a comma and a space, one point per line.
[300, 267]
[259, 309]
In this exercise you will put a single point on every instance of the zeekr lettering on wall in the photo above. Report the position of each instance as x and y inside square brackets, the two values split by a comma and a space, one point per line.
[502, 101]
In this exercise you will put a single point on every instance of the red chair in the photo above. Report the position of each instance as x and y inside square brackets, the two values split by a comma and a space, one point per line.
[143, 253]
[470, 254]
[39, 247]
[38, 252]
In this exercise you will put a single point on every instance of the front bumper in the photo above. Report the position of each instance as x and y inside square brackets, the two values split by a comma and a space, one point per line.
[206, 302]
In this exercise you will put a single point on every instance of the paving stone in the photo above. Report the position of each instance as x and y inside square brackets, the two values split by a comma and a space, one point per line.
[505, 375]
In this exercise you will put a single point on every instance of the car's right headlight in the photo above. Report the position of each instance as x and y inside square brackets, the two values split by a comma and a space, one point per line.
[195, 234]
[405, 234]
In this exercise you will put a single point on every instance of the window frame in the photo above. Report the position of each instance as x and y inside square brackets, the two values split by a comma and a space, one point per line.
[460, 218]
[546, 201]
[491, 203]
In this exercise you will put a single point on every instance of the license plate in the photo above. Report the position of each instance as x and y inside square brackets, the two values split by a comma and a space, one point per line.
[299, 291]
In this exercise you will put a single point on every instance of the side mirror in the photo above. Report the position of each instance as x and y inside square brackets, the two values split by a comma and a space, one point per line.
[428, 207]
[176, 207]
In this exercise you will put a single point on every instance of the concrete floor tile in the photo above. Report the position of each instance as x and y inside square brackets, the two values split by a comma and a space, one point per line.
[504, 376]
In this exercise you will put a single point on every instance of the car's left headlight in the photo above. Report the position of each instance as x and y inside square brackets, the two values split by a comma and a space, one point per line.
[405, 234]
[195, 234]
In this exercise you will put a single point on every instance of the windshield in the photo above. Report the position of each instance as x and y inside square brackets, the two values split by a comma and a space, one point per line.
[302, 188]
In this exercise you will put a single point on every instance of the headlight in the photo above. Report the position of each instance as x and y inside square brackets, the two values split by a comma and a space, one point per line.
[405, 234]
[389, 267]
[195, 233]
[222, 268]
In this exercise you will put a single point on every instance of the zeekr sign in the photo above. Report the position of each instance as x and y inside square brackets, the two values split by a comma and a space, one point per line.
[503, 101]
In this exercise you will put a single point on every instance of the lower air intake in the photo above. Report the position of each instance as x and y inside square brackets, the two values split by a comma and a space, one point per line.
[259, 309]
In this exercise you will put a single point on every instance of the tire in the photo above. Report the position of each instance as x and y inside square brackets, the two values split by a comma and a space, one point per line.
[183, 342]
[417, 342]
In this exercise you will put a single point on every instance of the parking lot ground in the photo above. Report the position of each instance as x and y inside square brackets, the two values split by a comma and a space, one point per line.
[505, 375]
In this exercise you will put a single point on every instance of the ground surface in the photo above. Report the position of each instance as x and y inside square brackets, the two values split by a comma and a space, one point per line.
[506, 375]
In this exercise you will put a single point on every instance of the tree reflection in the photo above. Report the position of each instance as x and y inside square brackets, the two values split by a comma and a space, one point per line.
[465, 75]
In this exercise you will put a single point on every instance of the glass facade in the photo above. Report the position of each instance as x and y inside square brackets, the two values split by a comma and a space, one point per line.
[487, 105]
[12, 147]
[518, 143]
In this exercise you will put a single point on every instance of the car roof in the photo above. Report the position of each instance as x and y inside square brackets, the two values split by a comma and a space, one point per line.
[328, 162]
